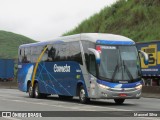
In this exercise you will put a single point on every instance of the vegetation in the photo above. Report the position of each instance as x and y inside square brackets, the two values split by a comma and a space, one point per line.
[136, 19]
[9, 43]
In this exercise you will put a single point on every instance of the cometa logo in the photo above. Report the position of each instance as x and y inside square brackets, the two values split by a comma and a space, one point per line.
[65, 68]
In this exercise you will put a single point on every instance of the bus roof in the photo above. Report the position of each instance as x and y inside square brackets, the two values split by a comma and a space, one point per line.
[93, 37]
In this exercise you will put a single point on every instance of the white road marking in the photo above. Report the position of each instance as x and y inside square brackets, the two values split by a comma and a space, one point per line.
[149, 118]
[10, 118]
[48, 105]
[111, 108]
[74, 108]
[61, 106]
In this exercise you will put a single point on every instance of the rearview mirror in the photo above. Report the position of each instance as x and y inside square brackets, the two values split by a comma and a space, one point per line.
[145, 56]
[96, 53]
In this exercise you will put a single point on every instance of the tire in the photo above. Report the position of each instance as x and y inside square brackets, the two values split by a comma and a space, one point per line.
[119, 101]
[37, 92]
[31, 91]
[82, 96]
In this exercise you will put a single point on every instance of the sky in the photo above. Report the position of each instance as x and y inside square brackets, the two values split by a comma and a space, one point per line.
[46, 19]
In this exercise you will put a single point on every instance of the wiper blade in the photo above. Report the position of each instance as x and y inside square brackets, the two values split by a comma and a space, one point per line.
[128, 72]
[115, 71]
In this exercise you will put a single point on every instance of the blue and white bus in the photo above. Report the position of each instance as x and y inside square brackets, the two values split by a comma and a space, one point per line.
[88, 65]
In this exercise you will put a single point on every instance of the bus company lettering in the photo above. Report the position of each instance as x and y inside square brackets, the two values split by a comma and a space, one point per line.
[65, 68]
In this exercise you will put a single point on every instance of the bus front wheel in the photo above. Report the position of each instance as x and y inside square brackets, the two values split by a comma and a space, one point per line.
[82, 96]
[31, 91]
[119, 101]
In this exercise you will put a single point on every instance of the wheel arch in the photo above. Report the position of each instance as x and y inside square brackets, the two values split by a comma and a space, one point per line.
[79, 84]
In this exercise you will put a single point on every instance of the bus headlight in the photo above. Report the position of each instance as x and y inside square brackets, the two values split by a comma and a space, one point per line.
[103, 86]
[138, 87]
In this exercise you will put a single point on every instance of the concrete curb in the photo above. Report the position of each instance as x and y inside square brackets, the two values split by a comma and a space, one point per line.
[151, 91]
[151, 95]
[9, 85]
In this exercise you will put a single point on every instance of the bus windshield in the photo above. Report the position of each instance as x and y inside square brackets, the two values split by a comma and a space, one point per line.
[119, 63]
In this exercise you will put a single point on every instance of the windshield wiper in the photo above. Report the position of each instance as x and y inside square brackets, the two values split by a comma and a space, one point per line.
[115, 71]
[128, 72]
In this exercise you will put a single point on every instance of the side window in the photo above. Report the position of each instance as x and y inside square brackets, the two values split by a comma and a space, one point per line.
[20, 55]
[69, 51]
[57, 54]
[87, 53]
[35, 53]
[75, 52]
[92, 64]
[51, 53]
[34, 56]
[25, 55]
[62, 51]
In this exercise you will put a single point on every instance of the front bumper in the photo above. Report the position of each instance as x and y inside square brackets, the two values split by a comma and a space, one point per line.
[117, 94]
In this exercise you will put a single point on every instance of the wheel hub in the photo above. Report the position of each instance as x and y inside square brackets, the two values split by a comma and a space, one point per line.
[82, 94]
[36, 91]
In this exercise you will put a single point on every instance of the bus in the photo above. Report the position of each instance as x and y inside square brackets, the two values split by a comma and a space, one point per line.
[87, 65]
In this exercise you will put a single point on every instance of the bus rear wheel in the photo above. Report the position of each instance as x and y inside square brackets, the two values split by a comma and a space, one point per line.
[82, 96]
[31, 91]
[119, 101]
[37, 92]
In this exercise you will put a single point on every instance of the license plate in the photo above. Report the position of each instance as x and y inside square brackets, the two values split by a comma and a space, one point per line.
[122, 95]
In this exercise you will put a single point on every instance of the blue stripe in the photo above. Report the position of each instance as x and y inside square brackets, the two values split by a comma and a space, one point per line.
[111, 42]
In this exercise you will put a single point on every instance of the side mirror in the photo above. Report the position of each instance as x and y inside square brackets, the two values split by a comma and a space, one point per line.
[96, 53]
[145, 56]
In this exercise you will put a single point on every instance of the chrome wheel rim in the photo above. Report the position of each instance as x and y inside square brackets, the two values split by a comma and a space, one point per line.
[36, 91]
[82, 94]
[30, 90]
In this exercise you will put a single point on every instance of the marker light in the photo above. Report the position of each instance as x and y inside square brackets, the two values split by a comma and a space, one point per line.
[103, 86]
[138, 87]
[98, 48]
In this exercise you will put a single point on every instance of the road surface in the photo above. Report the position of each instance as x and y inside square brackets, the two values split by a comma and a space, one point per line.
[15, 100]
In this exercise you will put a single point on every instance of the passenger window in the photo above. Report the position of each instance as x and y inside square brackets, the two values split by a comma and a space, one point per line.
[69, 51]
[35, 52]
[75, 52]
[20, 55]
[51, 52]
[25, 52]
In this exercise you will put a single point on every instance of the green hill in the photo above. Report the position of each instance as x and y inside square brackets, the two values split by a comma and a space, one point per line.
[136, 19]
[9, 43]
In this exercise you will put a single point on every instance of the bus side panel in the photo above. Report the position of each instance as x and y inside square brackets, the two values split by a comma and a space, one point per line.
[59, 77]
[45, 78]
[25, 71]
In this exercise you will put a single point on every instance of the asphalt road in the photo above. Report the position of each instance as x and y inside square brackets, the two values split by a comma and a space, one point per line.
[15, 100]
